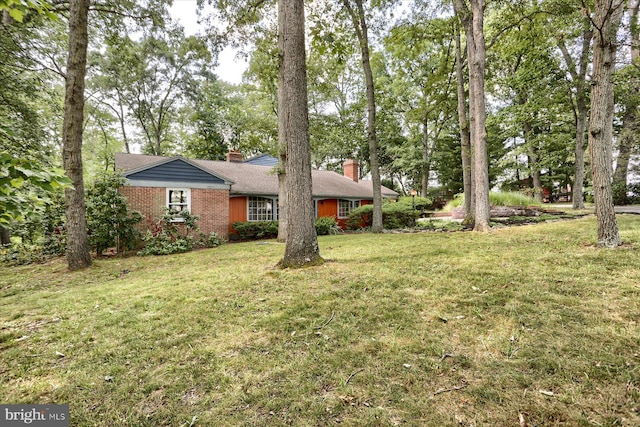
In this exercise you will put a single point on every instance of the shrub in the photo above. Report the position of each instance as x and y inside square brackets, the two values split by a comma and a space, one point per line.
[212, 241]
[21, 254]
[163, 244]
[54, 232]
[421, 203]
[170, 236]
[109, 220]
[256, 230]
[506, 198]
[269, 229]
[634, 192]
[327, 225]
[394, 216]
[620, 193]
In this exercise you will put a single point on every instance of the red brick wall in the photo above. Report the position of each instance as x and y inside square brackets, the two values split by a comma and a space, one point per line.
[149, 201]
[212, 206]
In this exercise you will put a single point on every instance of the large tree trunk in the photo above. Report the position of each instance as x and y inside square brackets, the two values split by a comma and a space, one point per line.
[360, 24]
[465, 138]
[78, 254]
[606, 20]
[477, 58]
[293, 132]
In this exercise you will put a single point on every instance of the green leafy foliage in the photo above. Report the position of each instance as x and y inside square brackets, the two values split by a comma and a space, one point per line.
[109, 219]
[21, 254]
[420, 203]
[26, 187]
[251, 230]
[255, 230]
[52, 226]
[326, 225]
[19, 8]
[394, 216]
[171, 234]
[213, 240]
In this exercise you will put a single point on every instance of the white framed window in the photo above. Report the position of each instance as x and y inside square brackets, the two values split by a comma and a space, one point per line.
[346, 206]
[179, 199]
[261, 209]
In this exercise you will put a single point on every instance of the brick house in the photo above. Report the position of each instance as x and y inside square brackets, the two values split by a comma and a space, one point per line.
[221, 193]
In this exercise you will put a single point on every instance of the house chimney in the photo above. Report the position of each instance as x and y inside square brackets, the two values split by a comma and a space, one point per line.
[234, 156]
[351, 169]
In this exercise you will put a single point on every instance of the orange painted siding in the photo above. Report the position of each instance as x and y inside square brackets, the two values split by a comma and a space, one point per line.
[327, 207]
[237, 211]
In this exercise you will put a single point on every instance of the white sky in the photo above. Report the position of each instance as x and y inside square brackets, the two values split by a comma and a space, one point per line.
[230, 68]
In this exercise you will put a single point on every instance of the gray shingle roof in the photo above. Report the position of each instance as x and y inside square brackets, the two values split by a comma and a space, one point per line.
[259, 180]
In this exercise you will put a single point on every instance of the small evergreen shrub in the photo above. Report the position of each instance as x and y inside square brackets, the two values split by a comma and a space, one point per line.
[421, 203]
[394, 216]
[251, 230]
[256, 230]
[213, 240]
[110, 222]
[327, 225]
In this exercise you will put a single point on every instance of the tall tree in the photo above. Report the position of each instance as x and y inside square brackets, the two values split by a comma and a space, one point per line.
[78, 251]
[472, 16]
[421, 62]
[465, 137]
[606, 20]
[293, 129]
[630, 100]
[361, 28]
[578, 72]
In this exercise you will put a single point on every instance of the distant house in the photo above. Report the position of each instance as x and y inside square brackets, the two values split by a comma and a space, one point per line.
[221, 193]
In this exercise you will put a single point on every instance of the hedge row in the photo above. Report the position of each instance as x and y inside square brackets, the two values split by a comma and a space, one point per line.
[269, 229]
[394, 216]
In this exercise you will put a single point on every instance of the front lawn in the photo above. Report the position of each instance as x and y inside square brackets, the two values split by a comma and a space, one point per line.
[530, 324]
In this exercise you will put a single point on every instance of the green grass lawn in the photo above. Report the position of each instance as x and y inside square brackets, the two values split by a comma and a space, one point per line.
[426, 329]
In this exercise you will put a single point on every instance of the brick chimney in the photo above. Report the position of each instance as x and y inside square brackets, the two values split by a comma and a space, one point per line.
[234, 156]
[351, 169]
